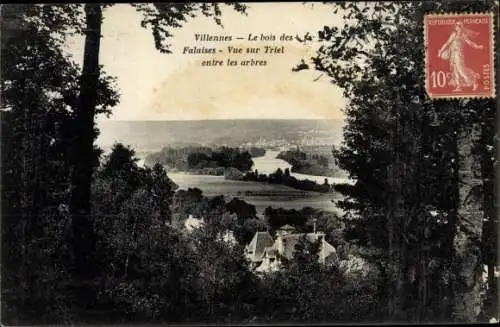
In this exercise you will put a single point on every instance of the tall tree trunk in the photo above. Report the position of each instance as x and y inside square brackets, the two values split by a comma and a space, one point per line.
[84, 237]
[418, 197]
[490, 225]
[449, 232]
[467, 247]
[395, 212]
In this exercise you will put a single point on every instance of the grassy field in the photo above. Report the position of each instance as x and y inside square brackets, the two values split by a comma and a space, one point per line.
[259, 194]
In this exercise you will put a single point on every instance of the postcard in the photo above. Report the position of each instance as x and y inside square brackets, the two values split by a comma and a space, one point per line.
[249, 163]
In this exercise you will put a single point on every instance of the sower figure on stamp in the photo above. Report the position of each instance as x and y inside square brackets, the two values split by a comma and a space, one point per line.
[453, 51]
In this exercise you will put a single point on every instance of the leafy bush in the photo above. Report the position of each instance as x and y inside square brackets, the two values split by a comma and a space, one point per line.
[307, 292]
[41, 294]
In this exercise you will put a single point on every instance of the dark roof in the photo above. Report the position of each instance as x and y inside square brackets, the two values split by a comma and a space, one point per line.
[328, 251]
[259, 243]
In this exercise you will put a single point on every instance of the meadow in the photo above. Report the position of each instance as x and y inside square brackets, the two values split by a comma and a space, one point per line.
[259, 194]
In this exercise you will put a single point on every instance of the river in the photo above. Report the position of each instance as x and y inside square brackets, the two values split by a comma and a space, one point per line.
[259, 194]
[268, 164]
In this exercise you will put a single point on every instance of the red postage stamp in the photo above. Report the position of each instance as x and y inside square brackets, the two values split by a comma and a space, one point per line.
[459, 56]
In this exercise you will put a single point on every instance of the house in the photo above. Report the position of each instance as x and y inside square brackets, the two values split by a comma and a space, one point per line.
[270, 260]
[254, 251]
[264, 253]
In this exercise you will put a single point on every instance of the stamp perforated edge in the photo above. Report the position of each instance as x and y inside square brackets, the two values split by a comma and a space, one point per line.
[492, 50]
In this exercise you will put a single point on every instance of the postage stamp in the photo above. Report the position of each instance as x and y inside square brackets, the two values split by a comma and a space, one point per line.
[459, 55]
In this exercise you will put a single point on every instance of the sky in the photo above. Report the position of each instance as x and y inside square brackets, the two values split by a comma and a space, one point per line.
[156, 86]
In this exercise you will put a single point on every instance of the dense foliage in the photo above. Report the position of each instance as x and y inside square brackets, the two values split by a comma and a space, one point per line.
[284, 178]
[311, 164]
[154, 270]
[256, 152]
[39, 89]
[306, 220]
[405, 153]
[307, 292]
[158, 272]
[199, 158]
[192, 202]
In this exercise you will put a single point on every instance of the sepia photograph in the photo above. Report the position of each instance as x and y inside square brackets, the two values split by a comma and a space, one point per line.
[249, 163]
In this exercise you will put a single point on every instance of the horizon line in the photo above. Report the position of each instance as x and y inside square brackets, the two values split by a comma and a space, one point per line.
[209, 119]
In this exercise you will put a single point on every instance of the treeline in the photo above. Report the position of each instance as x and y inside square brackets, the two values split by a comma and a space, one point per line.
[175, 158]
[424, 170]
[204, 159]
[237, 215]
[284, 178]
[304, 220]
[255, 152]
[311, 164]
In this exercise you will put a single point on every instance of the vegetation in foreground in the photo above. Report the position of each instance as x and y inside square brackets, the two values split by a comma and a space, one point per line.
[152, 269]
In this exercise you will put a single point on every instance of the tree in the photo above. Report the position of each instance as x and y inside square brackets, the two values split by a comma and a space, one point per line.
[122, 163]
[49, 112]
[160, 17]
[162, 191]
[149, 275]
[243, 210]
[194, 159]
[306, 291]
[490, 225]
[84, 144]
[388, 149]
[226, 287]
[123, 174]
[245, 232]
[39, 86]
[243, 161]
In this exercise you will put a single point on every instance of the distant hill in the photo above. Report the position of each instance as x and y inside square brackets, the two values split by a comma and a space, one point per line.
[146, 136]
